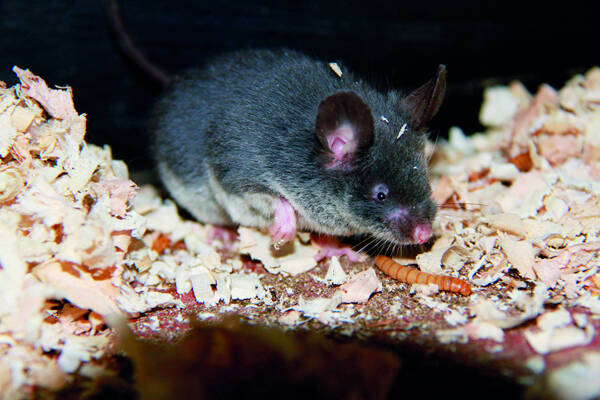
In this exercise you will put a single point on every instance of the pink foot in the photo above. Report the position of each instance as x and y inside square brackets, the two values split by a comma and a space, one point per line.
[224, 235]
[283, 228]
[329, 247]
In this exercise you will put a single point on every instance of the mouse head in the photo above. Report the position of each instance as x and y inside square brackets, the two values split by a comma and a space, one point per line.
[381, 162]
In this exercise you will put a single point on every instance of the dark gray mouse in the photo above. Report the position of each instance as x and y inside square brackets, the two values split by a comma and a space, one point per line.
[276, 140]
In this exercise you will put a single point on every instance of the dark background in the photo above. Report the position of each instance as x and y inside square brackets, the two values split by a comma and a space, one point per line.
[394, 43]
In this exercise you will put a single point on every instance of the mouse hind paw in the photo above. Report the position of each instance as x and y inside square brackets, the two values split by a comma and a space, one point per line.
[329, 246]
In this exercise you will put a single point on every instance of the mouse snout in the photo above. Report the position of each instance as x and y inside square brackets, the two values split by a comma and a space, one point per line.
[410, 224]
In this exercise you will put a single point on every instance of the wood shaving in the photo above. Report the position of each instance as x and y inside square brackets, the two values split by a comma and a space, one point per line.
[65, 207]
[335, 272]
[360, 287]
[538, 204]
[293, 258]
[336, 69]
[57, 102]
[325, 310]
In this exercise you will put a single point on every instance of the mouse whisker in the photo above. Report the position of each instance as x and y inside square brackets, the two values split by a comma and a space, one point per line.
[387, 247]
[364, 243]
[389, 244]
[463, 204]
[376, 243]
[401, 251]
[368, 245]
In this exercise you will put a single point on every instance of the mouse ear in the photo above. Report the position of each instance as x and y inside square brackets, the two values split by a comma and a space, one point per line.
[425, 101]
[344, 125]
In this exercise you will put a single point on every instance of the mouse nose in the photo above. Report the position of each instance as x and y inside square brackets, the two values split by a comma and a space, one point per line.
[422, 233]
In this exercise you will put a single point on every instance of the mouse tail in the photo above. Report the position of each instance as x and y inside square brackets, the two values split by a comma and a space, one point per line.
[128, 49]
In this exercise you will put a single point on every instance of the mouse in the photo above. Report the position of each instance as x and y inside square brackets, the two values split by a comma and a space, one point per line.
[280, 141]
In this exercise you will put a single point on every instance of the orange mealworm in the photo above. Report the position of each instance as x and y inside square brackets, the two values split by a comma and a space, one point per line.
[412, 275]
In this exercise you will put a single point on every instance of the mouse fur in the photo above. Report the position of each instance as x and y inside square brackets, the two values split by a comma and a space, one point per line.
[252, 126]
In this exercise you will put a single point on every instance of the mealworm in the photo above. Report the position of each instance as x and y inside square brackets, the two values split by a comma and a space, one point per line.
[412, 275]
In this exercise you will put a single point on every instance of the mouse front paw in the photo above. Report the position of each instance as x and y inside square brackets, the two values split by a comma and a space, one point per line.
[283, 228]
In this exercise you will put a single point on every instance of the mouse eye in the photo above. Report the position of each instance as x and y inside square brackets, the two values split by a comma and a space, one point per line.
[380, 192]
